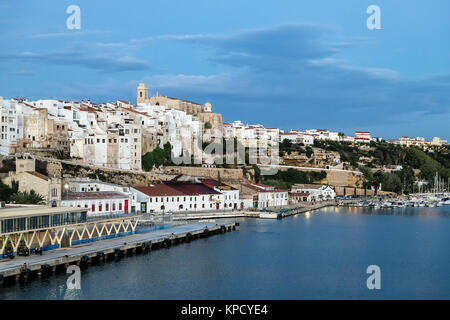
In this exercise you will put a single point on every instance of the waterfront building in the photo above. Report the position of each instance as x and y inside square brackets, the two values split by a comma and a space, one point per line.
[35, 226]
[98, 197]
[190, 195]
[317, 192]
[178, 197]
[265, 196]
[230, 194]
[99, 203]
[297, 197]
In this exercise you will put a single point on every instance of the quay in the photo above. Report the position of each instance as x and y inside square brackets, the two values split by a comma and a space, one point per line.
[284, 211]
[100, 251]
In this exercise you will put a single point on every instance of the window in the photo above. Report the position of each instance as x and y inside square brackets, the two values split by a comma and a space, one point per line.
[107, 207]
[93, 208]
[120, 206]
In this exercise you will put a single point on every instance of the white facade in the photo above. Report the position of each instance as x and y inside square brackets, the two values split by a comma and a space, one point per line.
[177, 202]
[267, 196]
[99, 203]
[317, 192]
[11, 124]
[98, 197]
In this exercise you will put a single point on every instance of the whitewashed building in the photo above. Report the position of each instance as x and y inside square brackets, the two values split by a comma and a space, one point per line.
[318, 192]
[265, 196]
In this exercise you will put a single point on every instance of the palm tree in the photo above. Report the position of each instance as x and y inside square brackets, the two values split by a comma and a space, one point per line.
[25, 197]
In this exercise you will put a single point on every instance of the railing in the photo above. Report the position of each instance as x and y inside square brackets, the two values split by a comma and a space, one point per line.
[116, 215]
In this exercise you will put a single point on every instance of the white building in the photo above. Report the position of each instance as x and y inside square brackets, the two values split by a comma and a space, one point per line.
[265, 196]
[164, 198]
[100, 198]
[317, 192]
[98, 203]
[11, 124]
[297, 197]
[209, 195]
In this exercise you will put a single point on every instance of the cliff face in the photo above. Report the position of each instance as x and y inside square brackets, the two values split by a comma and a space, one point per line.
[229, 176]
[319, 158]
[120, 177]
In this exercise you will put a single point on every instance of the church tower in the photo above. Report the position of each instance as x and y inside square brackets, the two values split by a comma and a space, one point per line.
[142, 93]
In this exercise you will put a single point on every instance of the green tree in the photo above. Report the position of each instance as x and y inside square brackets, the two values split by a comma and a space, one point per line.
[157, 157]
[25, 197]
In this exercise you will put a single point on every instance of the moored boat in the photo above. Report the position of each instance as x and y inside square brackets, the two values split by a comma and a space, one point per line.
[270, 215]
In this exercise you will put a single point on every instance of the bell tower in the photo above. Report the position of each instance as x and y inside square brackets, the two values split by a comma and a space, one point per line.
[142, 93]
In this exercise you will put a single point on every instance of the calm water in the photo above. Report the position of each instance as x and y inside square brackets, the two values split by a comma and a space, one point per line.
[323, 255]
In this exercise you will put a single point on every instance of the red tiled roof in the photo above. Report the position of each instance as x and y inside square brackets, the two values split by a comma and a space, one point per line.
[255, 188]
[300, 194]
[191, 188]
[211, 183]
[158, 190]
[93, 195]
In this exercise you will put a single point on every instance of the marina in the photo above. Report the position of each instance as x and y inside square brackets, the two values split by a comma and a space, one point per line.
[414, 200]
[322, 254]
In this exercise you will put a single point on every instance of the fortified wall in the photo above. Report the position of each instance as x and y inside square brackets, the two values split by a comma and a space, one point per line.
[226, 175]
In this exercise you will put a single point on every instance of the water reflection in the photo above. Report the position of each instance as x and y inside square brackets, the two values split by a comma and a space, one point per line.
[320, 254]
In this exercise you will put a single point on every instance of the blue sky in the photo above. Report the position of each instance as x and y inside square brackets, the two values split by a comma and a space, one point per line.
[288, 64]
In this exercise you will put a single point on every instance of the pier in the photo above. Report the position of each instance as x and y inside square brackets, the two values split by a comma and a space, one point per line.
[284, 211]
[23, 268]
[293, 211]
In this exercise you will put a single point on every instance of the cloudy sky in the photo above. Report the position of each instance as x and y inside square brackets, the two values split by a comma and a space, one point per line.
[288, 64]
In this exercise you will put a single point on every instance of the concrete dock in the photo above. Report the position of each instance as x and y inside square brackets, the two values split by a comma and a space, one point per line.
[299, 210]
[99, 251]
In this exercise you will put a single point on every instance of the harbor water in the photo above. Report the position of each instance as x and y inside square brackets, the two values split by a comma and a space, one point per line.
[322, 254]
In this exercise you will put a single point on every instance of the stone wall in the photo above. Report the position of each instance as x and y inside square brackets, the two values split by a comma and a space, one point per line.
[116, 176]
[350, 191]
[226, 175]
[337, 178]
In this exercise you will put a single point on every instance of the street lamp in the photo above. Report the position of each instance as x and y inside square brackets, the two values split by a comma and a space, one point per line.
[66, 187]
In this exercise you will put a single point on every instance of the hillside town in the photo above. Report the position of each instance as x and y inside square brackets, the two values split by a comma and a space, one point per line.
[117, 135]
